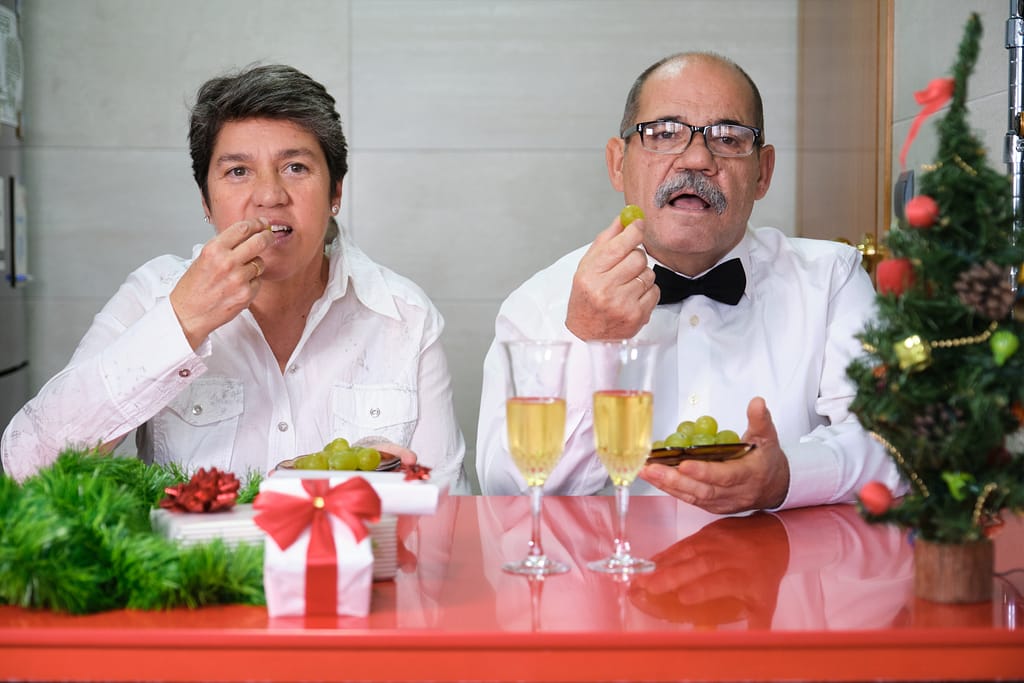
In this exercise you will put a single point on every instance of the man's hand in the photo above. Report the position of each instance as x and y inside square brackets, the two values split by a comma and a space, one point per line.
[758, 480]
[222, 281]
[613, 291]
[729, 571]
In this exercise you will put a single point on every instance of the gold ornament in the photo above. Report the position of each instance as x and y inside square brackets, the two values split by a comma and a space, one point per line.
[913, 353]
[916, 354]
[902, 463]
[958, 160]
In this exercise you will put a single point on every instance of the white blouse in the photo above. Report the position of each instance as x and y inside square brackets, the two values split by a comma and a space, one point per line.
[369, 363]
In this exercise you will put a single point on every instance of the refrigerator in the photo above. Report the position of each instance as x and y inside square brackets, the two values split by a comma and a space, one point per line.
[14, 277]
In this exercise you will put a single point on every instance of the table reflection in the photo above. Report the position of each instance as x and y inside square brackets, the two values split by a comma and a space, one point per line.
[816, 568]
[726, 573]
[424, 558]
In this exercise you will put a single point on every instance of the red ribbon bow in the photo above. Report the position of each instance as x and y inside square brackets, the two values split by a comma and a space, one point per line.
[284, 517]
[931, 100]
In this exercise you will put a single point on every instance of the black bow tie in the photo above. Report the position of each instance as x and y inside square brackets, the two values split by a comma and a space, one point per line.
[725, 282]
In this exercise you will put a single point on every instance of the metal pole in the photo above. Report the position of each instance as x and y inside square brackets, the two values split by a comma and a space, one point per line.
[1013, 149]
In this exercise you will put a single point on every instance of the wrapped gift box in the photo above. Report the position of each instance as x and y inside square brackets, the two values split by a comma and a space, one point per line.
[236, 526]
[398, 496]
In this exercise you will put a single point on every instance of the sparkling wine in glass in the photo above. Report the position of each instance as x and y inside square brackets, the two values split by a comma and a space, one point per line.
[623, 373]
[535, 416]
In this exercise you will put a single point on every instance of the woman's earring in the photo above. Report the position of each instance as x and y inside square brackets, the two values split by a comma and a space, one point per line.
[206, 218]
[334, 209]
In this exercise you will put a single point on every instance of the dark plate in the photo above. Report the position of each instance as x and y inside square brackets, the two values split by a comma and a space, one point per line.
[388, 462]
[716, 453]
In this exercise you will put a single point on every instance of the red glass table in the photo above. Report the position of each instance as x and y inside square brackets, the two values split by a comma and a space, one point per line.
[811, 594]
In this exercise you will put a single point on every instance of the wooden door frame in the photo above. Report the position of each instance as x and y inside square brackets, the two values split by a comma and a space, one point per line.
[844, 129]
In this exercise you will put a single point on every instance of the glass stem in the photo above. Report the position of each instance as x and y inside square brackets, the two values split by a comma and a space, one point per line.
[536, 588]
[622, 505]
[536, 551]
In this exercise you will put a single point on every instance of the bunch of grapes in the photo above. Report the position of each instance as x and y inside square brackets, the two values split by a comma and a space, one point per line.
[339, 455]
[700, 432]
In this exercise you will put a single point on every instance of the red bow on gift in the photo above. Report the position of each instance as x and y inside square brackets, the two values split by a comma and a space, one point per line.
[284, 517]
[931, 100]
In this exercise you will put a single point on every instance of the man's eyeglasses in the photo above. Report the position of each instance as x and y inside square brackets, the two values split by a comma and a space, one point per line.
[673, 137]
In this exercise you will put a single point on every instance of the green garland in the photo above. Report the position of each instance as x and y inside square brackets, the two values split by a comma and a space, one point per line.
[76, 538]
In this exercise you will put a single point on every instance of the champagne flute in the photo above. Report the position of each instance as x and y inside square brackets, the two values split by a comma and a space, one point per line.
[535, 414]
[623, 412]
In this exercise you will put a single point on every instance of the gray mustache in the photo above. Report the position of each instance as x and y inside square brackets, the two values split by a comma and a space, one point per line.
[694, 183]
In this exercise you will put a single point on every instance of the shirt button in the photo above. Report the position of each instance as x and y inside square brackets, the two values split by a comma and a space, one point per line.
[374, 412]
[694, 400]
[197, 409]
[282, 426]
[184, 372]
[694, 321]
[293, 369]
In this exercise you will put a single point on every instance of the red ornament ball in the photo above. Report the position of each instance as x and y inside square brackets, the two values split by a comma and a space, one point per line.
[894, 276]
[922, 211]
[993, 527]
[876, 497]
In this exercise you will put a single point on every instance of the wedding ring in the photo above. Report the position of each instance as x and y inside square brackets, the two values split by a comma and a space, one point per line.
[641, 281]
[259, 268]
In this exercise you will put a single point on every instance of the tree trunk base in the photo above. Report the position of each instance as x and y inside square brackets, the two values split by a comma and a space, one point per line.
[953, 572]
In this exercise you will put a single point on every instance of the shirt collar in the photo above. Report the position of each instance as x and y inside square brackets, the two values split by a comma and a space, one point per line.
[349, 263]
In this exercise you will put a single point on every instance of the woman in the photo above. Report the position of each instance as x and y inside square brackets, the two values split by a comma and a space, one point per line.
[265, 344]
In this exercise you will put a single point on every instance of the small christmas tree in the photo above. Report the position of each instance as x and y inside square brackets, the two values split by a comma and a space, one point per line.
[941, 384]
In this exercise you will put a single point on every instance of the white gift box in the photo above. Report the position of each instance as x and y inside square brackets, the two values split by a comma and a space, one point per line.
[397, 495]
[287, 571]
[236, 526]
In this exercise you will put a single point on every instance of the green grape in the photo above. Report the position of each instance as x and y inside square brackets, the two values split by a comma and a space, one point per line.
[630, 213]
[369, 459]
[312, 461]
[339, 444]
[707, 425]
[686, 428]
[347, 459]
[703, 440]
[677, 440]
[657, 444]
[727, 436]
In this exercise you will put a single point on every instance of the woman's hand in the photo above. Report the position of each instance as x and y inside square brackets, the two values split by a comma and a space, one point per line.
[222, 281]
[384, 446]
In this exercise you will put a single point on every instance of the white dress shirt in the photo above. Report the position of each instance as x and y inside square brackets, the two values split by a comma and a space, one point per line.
[369, 364]
[789, 340]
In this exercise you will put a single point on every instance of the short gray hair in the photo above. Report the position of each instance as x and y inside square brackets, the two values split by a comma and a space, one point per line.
[629, 114]
[274, 91]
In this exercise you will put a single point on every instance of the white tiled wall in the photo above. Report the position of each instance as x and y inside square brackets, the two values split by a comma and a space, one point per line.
[476, 127]
[927, 35]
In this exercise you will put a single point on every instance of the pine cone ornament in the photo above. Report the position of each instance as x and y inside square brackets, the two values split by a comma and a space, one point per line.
[937, 421]
[986, 289]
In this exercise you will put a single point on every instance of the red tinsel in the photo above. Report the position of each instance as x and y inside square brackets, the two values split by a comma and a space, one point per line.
[206, 491]
[416, 472]
[931, 99]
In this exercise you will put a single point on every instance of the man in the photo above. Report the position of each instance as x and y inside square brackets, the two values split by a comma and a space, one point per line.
[692, 156]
